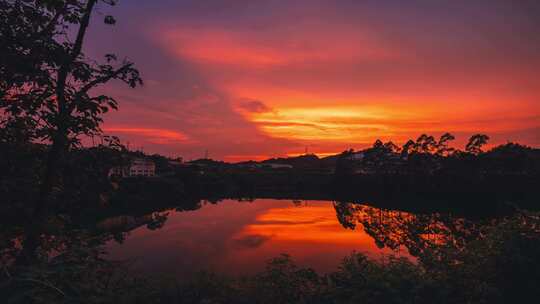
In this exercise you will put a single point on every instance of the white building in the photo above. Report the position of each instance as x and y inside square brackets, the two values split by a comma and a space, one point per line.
[142, 167]
[138, 167]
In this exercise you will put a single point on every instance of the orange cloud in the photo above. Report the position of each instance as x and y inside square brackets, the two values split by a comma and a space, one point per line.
[332, 84]
[337, 123]
[279, 47]
[156, 136]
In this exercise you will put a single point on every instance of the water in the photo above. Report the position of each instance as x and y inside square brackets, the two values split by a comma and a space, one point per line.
[238, 237]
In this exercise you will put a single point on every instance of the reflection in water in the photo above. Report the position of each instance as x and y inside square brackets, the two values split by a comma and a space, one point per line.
[238, 237]
[426, 236]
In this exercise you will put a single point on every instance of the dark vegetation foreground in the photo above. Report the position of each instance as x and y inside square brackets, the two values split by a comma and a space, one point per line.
[491, 263]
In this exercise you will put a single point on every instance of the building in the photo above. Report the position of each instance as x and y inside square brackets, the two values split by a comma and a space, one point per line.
[137, 167]
[357, 156]
[142, 167]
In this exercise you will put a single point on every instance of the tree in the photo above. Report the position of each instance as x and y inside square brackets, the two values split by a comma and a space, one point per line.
[474, 146]
[425, 144]
[378, 144]
[408, 148]
[47, 82]
[442, 145]
[391, 147]
[343, 163]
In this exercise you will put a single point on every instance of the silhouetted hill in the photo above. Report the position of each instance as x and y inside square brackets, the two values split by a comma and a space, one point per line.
[298, 162]
[330, 161]
[208, 163]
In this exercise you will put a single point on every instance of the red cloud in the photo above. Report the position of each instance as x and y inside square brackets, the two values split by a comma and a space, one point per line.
[157, 136]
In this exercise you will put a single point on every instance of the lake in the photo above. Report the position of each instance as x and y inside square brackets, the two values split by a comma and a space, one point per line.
[238, 237]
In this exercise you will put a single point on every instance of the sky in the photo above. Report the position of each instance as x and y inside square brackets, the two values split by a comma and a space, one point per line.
[258, 79]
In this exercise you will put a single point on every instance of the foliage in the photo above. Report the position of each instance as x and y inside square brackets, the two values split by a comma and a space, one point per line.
[428, 156]
[45, 79]
[85, 182]
[47, 88]
[20, 168]
[79, 275]
[475, 143]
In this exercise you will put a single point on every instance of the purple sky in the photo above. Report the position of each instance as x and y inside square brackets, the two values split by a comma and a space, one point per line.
[256, 79]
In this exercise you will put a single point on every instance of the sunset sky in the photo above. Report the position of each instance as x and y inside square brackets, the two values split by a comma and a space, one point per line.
[250, 79]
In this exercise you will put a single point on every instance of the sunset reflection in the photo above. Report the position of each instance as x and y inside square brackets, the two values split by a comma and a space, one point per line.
[239, 237]
[315, 223]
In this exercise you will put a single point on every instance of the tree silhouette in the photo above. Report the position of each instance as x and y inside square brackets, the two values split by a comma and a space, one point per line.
[343, 166]
[378, 144]
[391, 147]
[474, 146]
[442, 145]
[425, 144]
[426, 236]
[408, 148]
[47, 82]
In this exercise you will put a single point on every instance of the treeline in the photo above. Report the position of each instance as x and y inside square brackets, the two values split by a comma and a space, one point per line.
[84, 181]
[429, 156]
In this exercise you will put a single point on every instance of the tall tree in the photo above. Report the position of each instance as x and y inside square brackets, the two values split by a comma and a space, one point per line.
[408, 148]
[425, 144]
[442, 146]
[47, 82]
[391, 147]
[475, 143]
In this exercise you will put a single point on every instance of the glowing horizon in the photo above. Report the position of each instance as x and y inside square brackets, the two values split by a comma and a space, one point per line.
[267, 80]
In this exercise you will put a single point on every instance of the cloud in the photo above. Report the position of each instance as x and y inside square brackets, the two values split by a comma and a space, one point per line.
[157, 136]
[254, 106]
[351, 124]
[273, 47]
[250, 81]
[251, 241]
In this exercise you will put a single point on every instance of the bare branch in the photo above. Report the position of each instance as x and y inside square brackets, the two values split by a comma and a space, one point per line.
[103, 79]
